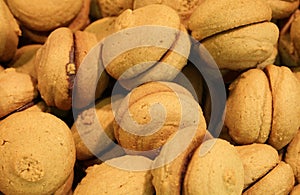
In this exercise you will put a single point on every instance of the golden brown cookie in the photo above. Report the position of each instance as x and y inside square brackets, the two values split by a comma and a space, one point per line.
[215, 168]
[37, 153]
[44, 15]
[10, 31]
[57, 63]
[249, 108]
[66, 188]
[184, 7]
[170, 165]
[102, 27]
[214, 16]
[292, 155]
[244, 47]
[151, 113]
[286, 108]
[258, 160]
[93, 129]
[282, 8]
[1, 68]
[116, 176]
[82, 18]
[23, 61]
[114, 7]
[16, 90]
[296, 190]
[278, 181]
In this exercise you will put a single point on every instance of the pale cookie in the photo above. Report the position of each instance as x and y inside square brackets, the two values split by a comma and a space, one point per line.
[117, 176]
[258, 160]
[93, 129]
[37, 153]
[44, 15]
[214, 16]
[278, 181]
[151, 113]
[243, 47]
[169, 167]
[249, 108]
[215, 168]
[10, 31]
[286, 108]
[16, 90]
[292, 155]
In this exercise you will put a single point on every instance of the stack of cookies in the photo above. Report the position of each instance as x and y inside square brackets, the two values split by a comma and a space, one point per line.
[149, 97]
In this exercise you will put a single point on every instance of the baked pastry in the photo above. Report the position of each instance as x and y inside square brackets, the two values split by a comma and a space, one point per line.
[282, 8]
[9, 33]
[16, 90]
[225, 174]
[102, 27]
[154, 56]
[170, 165]
[114, 7]
[93, 129]
[57, 62]
[296, 190]
[122, 175]
[286, 109]
[292, 155]
[66, 188]
[37, 153]
[1, 68]
[151, 114]
[183, 7]
[258, 160]
[253, 116]
[278, 180]
[44, 15]
[23, 61]
[249, 108]
[238, 38]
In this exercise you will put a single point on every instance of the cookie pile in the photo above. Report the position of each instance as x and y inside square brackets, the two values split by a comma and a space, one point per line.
[149, 97]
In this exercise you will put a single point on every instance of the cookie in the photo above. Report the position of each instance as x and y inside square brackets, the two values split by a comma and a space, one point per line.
[38, 153]
[279, 180]
[258, 160]
[215, 168]
[109, 178]
[249, 108]
[9, 33]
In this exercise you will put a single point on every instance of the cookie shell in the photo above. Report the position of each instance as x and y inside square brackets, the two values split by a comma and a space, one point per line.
[215, 168]
[286, 109]
[37, 153]
[23, 60]
[292, 155]
[296, 190]
[102, 27]
[9, 32]
[282, 8]
[214, 16]
[149, 115]
[45, 15]
[114, 7]
[51, 64]
[278, 181]
[131, 62]
[249, 98]
[170, 165]
[97, 139]
[244, 47]
[258, 160]
[16, 90]
[108, 178]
